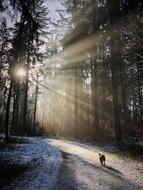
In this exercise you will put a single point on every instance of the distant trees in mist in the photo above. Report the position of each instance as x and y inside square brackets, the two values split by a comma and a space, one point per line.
[101, 77]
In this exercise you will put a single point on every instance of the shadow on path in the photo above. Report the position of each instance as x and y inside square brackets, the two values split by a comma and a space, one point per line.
[66, 180]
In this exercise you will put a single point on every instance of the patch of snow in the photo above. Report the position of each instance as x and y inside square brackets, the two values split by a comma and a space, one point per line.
[46, 162]
[81, 169]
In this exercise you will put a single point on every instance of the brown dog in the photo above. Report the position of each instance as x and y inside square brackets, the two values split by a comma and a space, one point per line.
[102, 159]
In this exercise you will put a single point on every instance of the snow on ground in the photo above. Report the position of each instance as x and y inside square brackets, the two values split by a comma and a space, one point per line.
[45, 161]
[77, 167]
[120, 173]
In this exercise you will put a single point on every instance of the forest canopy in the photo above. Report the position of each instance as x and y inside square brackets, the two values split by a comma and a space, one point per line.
[79, 75]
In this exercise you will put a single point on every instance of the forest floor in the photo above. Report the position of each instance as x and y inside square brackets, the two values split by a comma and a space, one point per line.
[31, 165]
[68, 165]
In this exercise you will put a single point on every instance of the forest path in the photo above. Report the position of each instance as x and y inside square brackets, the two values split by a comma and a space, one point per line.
[78, 167]
[82, 171]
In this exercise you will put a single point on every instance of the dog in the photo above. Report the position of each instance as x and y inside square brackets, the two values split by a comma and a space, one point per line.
[102, 159]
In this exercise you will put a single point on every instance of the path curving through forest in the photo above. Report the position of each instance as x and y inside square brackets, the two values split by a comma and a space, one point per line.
[82, 171]
[69, 165]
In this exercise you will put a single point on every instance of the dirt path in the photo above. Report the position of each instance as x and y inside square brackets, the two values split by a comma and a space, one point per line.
[82, 171]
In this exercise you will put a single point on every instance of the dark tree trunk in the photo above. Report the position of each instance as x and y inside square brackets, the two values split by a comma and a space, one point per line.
[24, 127]
[12, 130]
[140, 94]
[117, 124]
[124, 96]
[76, 103]
[35, 106]
[95, 100]
[7, 113]
[3, 108]
[115, 66]
[17, 110]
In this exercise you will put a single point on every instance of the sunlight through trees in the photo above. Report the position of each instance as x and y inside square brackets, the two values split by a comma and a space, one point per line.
[80, 72]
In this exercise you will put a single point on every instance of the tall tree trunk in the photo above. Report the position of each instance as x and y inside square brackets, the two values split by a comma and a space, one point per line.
[35, 106]
[95, 97]
[76, 103]
[3, 107]
[26, 97]
[12, 130]
[94, 73]
[115, 66]
[17, 109]
[7, 112]
[123, 89]
[140, 93]
[117, 124]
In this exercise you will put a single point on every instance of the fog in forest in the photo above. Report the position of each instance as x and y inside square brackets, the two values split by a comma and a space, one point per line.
[82, 69]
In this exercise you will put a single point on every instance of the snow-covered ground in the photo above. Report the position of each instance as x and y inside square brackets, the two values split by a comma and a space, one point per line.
[120, 173]
[45, 161]
[75, 166]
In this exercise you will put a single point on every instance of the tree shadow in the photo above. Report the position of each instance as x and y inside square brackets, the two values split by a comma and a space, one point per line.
[66, 178]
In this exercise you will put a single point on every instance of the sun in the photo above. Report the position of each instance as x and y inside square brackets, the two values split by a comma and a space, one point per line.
[20, 72]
